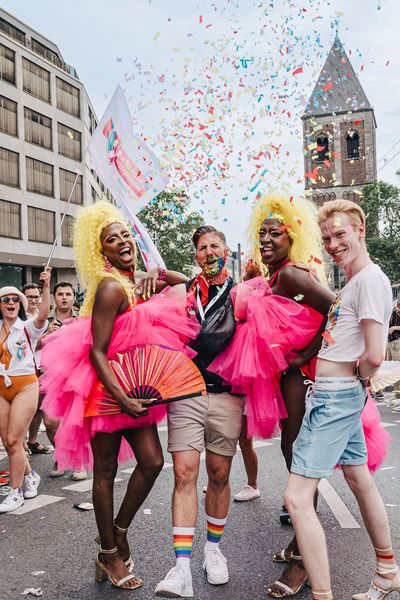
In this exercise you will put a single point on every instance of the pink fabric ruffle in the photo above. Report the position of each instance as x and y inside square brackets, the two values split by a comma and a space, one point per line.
[271, 328]
[69, 376]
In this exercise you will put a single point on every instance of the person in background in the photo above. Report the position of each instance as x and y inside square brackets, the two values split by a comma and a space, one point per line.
[34, 297]
[250, 489]
[64, 298]
[393, 346]
[19, 390]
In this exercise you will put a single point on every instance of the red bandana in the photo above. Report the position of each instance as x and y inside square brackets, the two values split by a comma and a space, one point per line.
[205, 282]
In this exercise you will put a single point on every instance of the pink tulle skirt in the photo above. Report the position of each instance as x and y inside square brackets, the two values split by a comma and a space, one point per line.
[69, 376]
[271, 329]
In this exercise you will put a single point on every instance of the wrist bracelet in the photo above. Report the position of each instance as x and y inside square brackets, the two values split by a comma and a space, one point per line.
[162, 274]
[363, 378]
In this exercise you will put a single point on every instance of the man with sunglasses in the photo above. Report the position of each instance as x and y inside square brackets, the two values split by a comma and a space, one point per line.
[34, 297]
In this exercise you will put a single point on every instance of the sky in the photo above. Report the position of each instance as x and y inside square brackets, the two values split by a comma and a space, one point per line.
[218, 87]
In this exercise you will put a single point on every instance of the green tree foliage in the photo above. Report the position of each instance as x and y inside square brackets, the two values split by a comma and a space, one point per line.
[381, 204]
[171, 224]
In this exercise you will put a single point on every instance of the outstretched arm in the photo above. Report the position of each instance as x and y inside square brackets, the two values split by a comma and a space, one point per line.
[44, 306]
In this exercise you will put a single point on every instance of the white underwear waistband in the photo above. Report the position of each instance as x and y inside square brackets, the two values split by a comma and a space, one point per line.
[335, 383]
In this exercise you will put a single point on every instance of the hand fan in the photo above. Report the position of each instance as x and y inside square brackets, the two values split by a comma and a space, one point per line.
[387, 374]
[149, 372]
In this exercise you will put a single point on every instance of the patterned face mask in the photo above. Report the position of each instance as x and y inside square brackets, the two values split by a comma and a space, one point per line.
[212, 265]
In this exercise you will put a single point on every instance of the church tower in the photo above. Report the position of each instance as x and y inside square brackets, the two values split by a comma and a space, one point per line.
[339, 133]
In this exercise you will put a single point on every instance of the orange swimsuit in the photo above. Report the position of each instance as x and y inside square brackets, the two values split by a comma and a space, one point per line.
[18, 382]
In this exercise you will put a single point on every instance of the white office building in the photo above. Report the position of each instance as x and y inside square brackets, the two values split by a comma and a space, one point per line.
[46, 120]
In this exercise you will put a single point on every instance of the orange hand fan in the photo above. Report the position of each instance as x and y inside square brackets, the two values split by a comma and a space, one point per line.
[149, 372]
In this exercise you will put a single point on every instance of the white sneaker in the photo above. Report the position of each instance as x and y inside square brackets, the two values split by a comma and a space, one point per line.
[79, 475]
[176, 584]
[215, 565]
[31, 484]
[247, 493]
[55, 471]
[13, 500]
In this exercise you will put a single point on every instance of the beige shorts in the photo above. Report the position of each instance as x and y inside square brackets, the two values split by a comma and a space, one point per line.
[213, 421]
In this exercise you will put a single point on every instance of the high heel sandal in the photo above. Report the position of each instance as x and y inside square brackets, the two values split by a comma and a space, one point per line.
[102, 572]
[129, 562]
[394, 587]
[285, 590]
[282, 556]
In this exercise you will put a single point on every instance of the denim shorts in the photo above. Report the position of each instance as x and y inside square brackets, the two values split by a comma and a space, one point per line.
[331, 432]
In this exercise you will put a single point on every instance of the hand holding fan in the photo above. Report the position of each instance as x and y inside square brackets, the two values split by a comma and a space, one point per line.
[149, 372]
[387, 374]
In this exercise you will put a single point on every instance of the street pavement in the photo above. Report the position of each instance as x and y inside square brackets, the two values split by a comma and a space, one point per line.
[49, 544]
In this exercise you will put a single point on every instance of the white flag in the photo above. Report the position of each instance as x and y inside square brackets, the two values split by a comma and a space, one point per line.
[129, 169]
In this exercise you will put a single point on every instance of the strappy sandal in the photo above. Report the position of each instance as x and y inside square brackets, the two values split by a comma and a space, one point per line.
[38, 448]
[286, 590]
[102, 572]
[129, 562]
[395, 587]
[281, 557]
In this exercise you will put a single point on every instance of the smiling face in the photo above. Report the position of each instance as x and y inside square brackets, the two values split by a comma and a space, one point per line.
[211, 253]
[274, 242]
[342, 240]
[118, 246]
[10, 309]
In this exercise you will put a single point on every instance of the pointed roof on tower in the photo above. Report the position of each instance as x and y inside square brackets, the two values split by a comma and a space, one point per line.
[338, 89]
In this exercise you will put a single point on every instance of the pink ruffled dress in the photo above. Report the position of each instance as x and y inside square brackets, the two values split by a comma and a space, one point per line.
[270, 330]
[69, 377]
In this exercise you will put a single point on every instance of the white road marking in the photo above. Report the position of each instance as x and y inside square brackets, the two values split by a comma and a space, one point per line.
[386, 468]
[337, 506]
[162, 428]
[261, 444]
[388, 424]
[34, 503]
[84, 486]
[3, 455]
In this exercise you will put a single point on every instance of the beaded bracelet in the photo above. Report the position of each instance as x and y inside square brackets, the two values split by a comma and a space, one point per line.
[162, 274]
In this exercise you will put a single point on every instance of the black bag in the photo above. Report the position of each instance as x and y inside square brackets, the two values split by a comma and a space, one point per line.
[216, 331]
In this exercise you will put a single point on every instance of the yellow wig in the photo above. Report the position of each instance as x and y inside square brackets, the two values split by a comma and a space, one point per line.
[300, 218]
[89, 259]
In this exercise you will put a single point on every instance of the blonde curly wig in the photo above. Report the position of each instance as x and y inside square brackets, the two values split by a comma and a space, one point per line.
[89, 259]
[301, 218]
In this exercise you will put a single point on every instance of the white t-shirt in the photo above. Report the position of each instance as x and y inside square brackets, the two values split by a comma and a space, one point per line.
[21, 362]
[367, 295]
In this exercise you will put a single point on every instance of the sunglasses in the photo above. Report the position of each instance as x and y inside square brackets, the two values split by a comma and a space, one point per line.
[33, 297]
[8, 299]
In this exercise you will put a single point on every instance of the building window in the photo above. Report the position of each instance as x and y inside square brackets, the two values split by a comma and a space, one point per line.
[69, 142]
[37, 128]
[12, 275]
[95, 195]
[353, 144]
[12, 31]
[93, 122]
[8, 116]
[67, 231]
[7, 64]
[36, 81]
[67, 179]
[39, 177]
[322, 148]
[68, 97]
[44, 51]
[10, 219]
[41, 225]
[9, 167]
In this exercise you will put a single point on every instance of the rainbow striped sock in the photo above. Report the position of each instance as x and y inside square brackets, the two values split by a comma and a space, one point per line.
[183, 543]
[215, 529]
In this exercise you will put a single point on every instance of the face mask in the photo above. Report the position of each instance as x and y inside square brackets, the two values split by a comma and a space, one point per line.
[214, 268]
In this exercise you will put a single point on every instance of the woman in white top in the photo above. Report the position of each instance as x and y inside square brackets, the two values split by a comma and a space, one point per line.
[19, 389]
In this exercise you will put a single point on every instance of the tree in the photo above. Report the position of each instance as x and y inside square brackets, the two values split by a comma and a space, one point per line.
[381, 204]
[171, 225]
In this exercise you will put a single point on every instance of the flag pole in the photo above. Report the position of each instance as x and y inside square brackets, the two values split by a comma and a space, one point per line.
[78, 173]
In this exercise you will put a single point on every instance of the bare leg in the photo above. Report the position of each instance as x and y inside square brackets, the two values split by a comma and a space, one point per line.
[218, 489]
[250, 457]
[13, 431]
[299, 498]
[184, 498]
[148, 452]
[105, 448]
[51, 428]
[293, 392]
